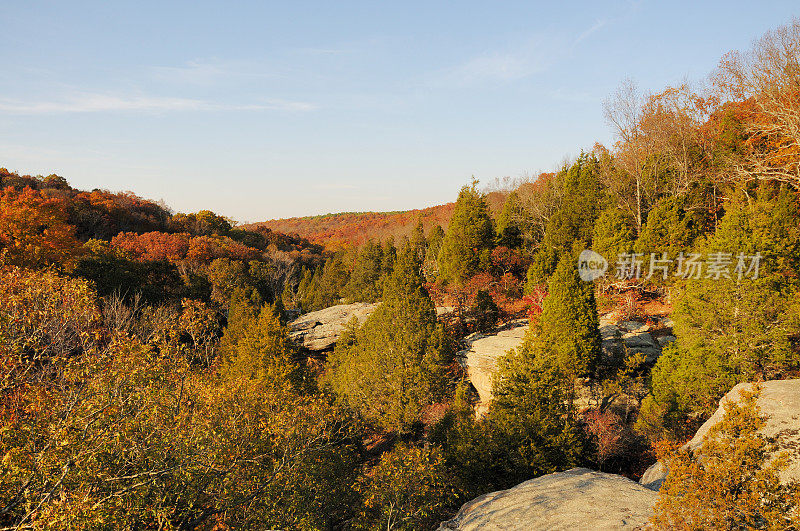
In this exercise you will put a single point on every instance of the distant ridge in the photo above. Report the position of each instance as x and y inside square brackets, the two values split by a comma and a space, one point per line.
[355, 228]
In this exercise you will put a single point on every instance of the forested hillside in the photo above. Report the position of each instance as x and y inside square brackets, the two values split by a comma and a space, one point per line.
[149, 379]
[355, 228]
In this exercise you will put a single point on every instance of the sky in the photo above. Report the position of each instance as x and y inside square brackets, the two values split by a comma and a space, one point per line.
[263, 110]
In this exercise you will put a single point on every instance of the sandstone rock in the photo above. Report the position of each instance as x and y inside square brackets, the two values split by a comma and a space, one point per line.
[634, 334]
[665, 340]
[575, 499]
[480, 359]
[319, 331]
[780, 402]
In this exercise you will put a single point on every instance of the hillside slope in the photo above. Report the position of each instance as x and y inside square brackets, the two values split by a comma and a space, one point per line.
[355, 228]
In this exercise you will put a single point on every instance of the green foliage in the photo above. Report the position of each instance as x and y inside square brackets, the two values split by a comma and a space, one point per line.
[542, 267]
[484, 310]
[410, 488]
[331, 283]
[469, 238]
[728, 483]
[366, 278]
[534, 415]
[391, 367]
[256, 346]
[614, 233]
[509, 222]
[584, 198]
[567, 333]
[729, 329]
[669, 229]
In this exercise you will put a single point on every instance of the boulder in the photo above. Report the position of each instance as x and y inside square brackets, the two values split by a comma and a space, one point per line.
[319, 331]
[635, 335]
[575, 499]
[480, 358]
[780, 402]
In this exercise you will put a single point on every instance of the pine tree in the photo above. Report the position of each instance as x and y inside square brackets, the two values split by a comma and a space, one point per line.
[731, 330]
[391, 367]
[469, 238]
[255, 345]
[535, 386]
[330, 287]
[614, 233]
[509, 223]
[365, 279]
[584, 198]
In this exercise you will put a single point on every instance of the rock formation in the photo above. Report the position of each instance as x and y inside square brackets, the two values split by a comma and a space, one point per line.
[636, 336]
[319, 331]
[780, 402]
[480, 358]
[575, 499]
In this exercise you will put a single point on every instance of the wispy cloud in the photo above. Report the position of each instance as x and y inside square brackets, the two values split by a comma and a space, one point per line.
[93, 102]
[524, 59]
[600, 23]
[518, 62]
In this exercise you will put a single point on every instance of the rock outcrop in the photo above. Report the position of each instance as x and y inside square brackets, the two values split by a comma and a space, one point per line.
[318, 331]
[780, 402]
[575, 499]
[480, 358]
[636, 336]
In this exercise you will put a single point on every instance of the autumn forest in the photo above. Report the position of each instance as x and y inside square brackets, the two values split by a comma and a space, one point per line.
[154, 372]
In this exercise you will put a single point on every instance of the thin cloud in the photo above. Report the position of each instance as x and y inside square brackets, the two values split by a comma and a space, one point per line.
[90, 103]
[522, 61]
[595, 27]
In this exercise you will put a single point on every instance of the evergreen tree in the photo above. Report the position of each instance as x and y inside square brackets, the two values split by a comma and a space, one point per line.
[535, 386]
[365, 279]
[669, 229]
[509, 223]
[614, 233]
[389, 368]
[255, 345]
[567, 332]
[418, 243]
[733, 329]
[584, 198]
[330, 287]
[469, 238]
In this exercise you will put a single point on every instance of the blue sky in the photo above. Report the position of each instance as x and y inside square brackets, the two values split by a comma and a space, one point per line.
[260, 110]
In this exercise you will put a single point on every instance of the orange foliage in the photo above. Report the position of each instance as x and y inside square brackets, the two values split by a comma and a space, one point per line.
[33, 229]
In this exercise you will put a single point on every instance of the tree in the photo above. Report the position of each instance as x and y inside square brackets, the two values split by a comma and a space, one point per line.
[669, 229]
[34, 231]
[584, 198]
[728, 483]
[613, 234]
[391, 367]
[365, 278]
[567, 333]
[732, 328]
[768, 75]
[469, 237]
[509, 222]
[410, 488]
[535, 386]
[256, 346]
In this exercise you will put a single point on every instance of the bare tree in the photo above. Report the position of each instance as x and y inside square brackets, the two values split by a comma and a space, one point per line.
[769, 76]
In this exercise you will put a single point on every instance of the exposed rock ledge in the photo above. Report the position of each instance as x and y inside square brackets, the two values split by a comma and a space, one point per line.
[480, 358]
[319, 331]
[575, 499]
[780, 401]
